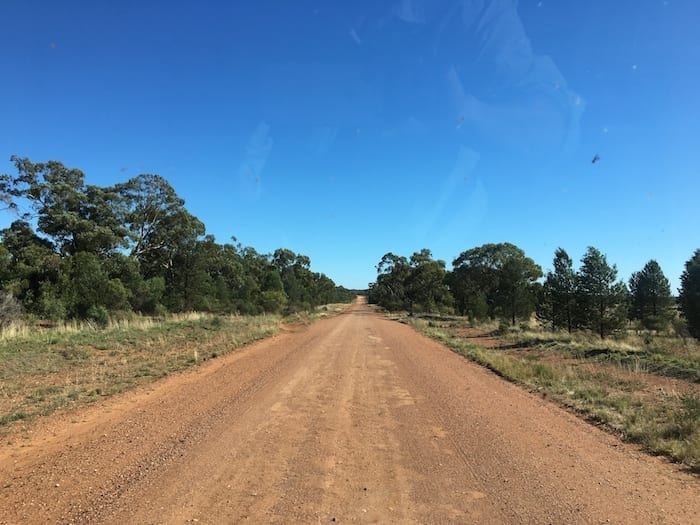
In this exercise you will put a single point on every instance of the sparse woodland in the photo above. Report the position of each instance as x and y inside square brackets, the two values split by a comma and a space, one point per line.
[499, 282]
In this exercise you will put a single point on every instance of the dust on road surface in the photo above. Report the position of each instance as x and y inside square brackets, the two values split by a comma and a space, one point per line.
[353, 419]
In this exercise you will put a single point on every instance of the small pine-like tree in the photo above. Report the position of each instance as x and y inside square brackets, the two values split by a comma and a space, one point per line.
[650, 297]
[689, 294]
[560, 293]
[602, 301]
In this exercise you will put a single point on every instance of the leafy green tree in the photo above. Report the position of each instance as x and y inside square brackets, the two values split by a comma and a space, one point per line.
[283, 258]
[135, 246]
[76, 217]
[155, 217]
[602, 300]
[425, 284]
[31, 265]
[560, 293]
[160, 229]
[474, 280]
[390, 289]
[273, 301]
[248, 292]
[144, 295]
[193, 266]
[88, 289]
[468, 293]
[5, 265]
[689, 294]
[498, 276]
[650, 297]
[328, 292]
[272, 282]
[517, 291]
[297, 278]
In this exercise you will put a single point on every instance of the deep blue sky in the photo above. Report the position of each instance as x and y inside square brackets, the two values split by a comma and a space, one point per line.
[347, 132]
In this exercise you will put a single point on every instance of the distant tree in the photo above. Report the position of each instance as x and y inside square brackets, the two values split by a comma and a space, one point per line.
[517, 287]
[601, 300]
[255, 266]
[425, 286]
[390, 289]
[475, 278]
[469, 294]
[559, 293]
[499, 278]
[689, 294]
[325, 290]
[650, 297]
[297, 279]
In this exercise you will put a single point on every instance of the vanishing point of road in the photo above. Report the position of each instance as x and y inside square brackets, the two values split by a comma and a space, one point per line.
[354, 419]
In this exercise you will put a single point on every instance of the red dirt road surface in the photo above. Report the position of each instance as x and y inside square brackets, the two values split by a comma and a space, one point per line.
[355, 419]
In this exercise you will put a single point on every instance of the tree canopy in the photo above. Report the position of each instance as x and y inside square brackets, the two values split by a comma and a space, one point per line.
[495, 280]
[602, 299]
[650, 297]
[87, 251]
[416, 284]
[498, 281]
[558, 304]
[689, 294]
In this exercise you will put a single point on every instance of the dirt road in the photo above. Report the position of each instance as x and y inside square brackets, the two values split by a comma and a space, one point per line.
[353, 419]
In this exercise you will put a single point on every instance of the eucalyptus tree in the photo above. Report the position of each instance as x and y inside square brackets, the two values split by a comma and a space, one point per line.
[498, 280]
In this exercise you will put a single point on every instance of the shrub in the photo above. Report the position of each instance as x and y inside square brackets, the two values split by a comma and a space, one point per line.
[273, 301]
[503, 327]
[51, 304]
[98, 314]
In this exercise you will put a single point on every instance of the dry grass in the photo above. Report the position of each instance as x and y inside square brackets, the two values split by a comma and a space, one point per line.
[663, 355]
[43, 370]
[614, 383]
[48, 368]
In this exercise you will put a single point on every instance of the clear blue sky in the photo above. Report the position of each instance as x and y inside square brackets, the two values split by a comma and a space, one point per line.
[346, 132]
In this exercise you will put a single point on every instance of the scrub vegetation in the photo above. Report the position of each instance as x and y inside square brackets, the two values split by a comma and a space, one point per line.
[646, 389]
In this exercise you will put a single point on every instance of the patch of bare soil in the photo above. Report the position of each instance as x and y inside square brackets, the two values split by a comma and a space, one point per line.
[353, 419]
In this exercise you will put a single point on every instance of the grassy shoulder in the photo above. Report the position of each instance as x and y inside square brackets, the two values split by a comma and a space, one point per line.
[45, 370]
[619, 384]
